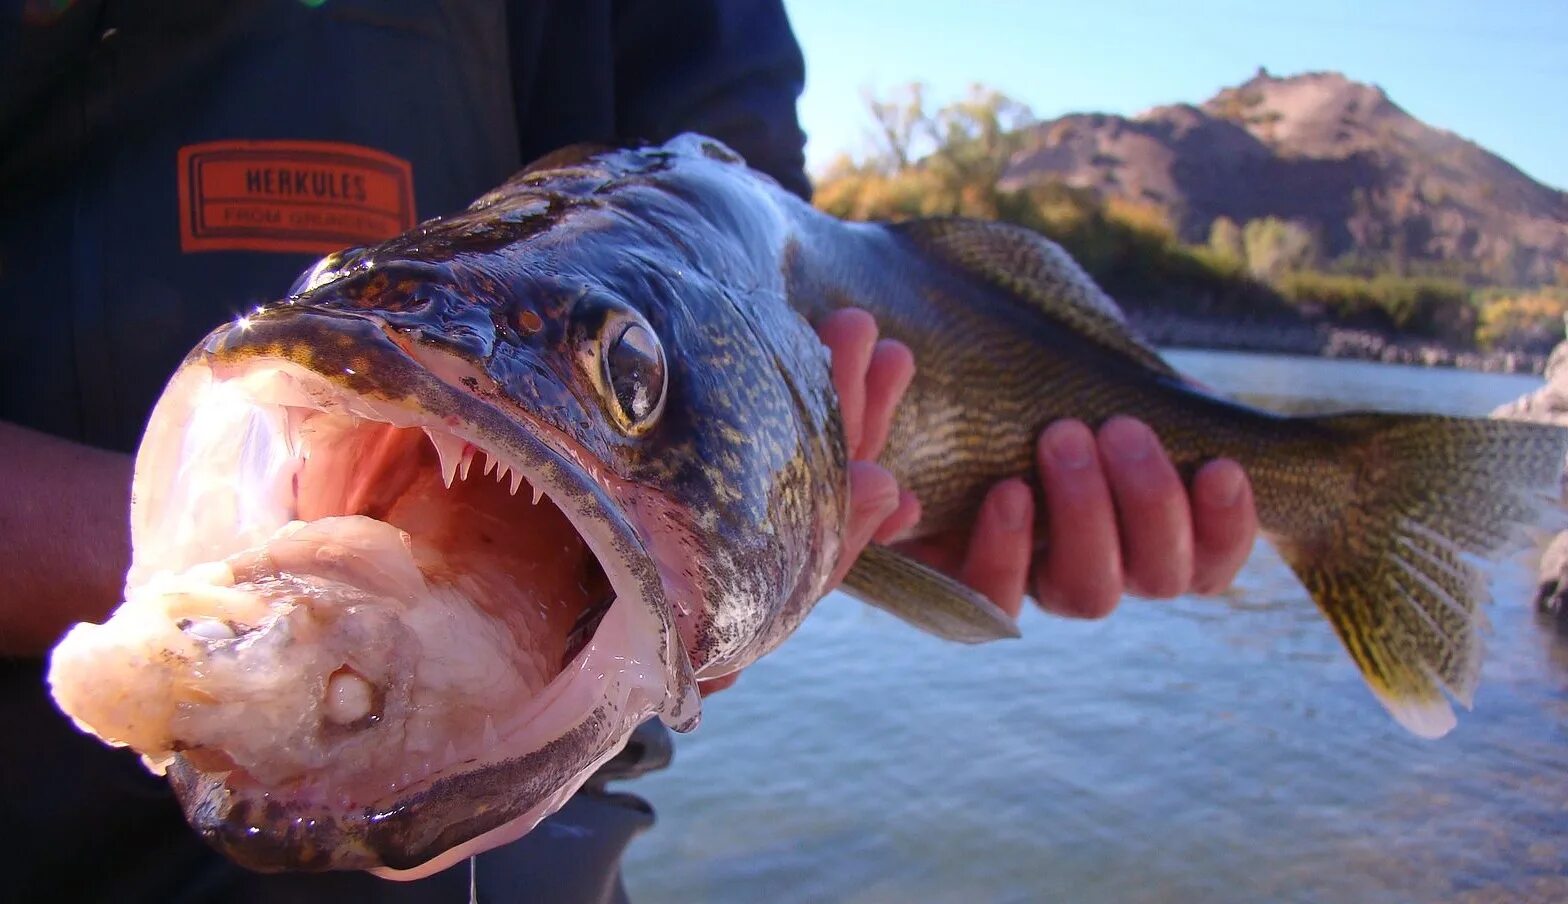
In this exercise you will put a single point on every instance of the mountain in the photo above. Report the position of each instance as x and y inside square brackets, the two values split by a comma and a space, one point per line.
[1338, 156]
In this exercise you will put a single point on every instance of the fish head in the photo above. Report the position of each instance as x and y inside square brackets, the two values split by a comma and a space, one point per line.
[418, 546]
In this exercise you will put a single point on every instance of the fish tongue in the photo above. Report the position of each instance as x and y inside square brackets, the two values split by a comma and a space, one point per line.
[350, 549]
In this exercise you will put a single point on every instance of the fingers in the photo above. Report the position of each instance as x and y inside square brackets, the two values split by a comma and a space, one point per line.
[891, 369]
[714, 685]
[945, 552]
[997, 564]
[1151, 508]
[1118, 515]
[901, 522]
[870, 377]
[1080, 573]
[873, 497]
[1120, 519]
[1224, 524]
[850, 335]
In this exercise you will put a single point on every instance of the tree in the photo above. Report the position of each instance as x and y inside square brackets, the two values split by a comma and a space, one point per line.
[976, 140]
[1275, 247]
[1225, 239]
[901, 126]
[926, 163]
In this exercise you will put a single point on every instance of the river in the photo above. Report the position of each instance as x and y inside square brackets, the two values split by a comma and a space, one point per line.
[1202, 749]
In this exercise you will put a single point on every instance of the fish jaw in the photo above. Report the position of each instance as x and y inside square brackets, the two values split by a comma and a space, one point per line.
[521, 769]
[411, 836]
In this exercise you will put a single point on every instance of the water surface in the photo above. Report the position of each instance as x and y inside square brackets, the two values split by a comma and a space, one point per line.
[1214, 750]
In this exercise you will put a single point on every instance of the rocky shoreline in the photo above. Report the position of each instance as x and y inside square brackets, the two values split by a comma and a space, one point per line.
[1321, 340]
[1549, 405]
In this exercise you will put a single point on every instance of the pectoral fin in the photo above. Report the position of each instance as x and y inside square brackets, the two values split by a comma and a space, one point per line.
[926, 598]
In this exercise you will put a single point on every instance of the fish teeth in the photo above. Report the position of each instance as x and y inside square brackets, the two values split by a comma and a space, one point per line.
[450, 450]
[491, 738]
[450, 753]
[458, 456]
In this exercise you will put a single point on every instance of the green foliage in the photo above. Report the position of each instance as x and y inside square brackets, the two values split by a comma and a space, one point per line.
[950, 161]
[967, 144]
[1430, 308]
[1274, 247]
[1226, 240]
[1522, 318]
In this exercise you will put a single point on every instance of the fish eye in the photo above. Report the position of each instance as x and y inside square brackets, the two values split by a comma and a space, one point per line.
[635, 375]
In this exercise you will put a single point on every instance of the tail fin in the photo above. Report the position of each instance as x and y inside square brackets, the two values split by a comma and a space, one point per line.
[1394, 572]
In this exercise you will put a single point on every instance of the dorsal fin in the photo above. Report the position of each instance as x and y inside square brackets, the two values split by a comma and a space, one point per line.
[1037, 272]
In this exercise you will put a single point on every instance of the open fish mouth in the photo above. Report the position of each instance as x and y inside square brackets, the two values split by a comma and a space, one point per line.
[369, 628]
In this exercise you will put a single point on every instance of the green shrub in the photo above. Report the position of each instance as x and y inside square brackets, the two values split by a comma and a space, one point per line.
[1521, 318]
[1429, 308]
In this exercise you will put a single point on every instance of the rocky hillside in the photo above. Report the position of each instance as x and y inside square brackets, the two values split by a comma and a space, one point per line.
[1340, 157]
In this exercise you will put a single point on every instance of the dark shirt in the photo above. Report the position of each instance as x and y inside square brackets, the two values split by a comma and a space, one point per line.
[107, 276]
[97, 300]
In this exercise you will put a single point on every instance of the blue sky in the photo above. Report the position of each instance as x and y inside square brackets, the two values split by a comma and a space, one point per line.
[1494, 72]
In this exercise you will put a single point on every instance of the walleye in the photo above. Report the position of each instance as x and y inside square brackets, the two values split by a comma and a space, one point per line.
[417, 546]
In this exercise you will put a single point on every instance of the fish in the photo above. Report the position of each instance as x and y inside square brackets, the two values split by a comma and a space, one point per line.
[417, 545]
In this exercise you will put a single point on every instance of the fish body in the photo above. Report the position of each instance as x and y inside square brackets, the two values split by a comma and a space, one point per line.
[417, 546]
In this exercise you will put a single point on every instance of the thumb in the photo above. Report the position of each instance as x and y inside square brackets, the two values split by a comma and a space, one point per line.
[873, 496]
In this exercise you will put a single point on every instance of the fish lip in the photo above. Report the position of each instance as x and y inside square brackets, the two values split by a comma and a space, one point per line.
[268, 835]
[381, 837]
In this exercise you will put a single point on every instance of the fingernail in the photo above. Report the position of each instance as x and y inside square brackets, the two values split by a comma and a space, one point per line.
[1069, 446]
[1222, 487]
[878, 509]
[1012, 507]
[1127, 440]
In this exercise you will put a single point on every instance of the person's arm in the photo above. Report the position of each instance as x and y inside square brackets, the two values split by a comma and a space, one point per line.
[64, 536]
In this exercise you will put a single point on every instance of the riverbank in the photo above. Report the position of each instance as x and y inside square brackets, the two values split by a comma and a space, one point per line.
[1166, 328]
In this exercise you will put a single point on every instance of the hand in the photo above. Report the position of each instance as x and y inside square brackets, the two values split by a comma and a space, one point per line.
[1117, 520]
[870, 377]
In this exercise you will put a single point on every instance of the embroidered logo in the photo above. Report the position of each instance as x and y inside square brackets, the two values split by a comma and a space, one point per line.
[309, 196]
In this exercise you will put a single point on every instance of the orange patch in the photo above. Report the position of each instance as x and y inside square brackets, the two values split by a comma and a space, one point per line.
[310, 196]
